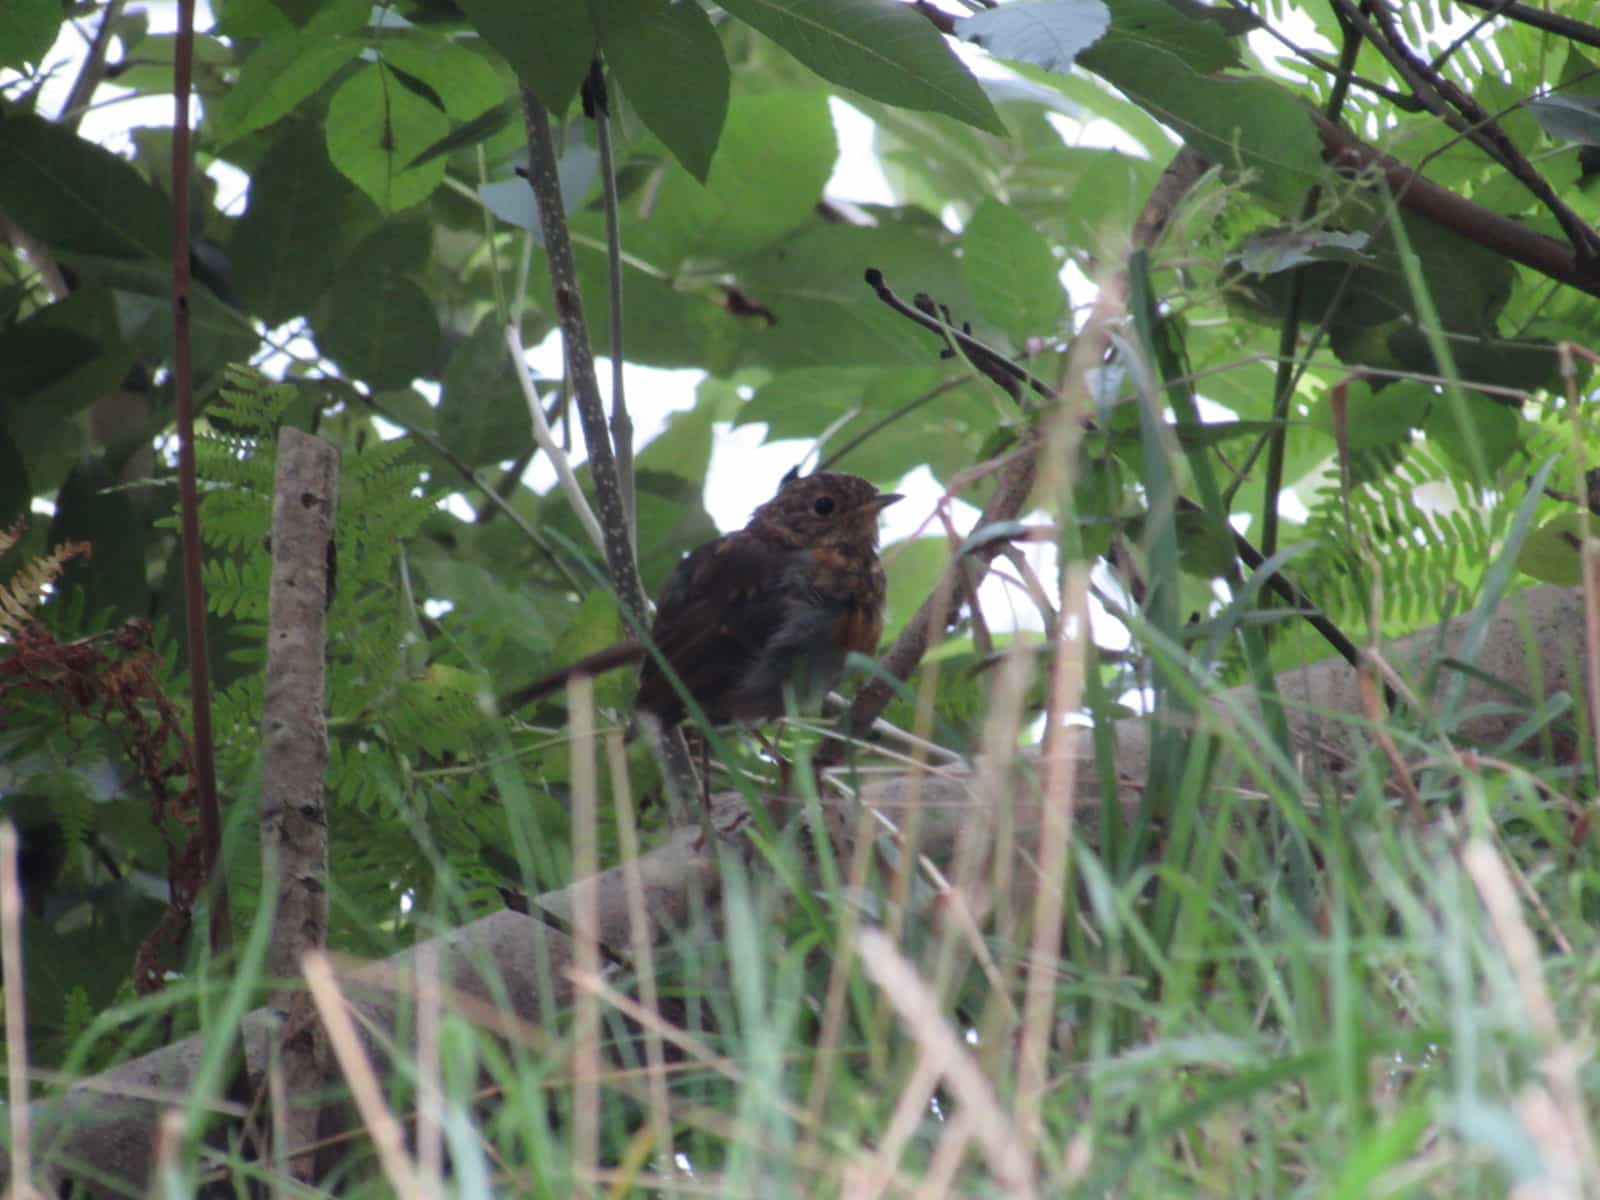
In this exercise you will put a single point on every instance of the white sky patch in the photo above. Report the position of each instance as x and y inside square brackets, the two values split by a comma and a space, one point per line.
[857, 176]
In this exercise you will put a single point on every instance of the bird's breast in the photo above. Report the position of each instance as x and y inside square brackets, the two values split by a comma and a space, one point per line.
[852, 586]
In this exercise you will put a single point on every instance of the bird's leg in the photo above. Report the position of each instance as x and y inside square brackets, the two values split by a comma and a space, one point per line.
[785, 767]
[707, 828]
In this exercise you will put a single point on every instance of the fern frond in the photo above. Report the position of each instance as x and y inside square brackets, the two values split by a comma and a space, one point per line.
[24, 591]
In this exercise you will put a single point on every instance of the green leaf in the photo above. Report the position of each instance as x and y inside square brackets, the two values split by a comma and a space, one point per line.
[668, 60]
[1253, 125]
[468, 134]
[1568, 118]
[1047, 33]
[1528, 364]
[549, 45]
[142, 291]
[27, 31]
[775, 157]
[90, 508]
[77, 197]
[913, 568]
[1376, 418]
[1495, 428]
[1553, 552]
[280, 75]
[483, 415]
[881, 48]
[464, 82]
[15, 489]
[284, 248]
[512, 199]
[1201, 37]
[825, 314]
[378, 324]
[376, 126]
[1011, 272]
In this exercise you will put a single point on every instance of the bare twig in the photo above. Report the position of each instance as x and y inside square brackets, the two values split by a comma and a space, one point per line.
[611, 510]
[566, 478]
[93, 68]
[1538, 18]
[597, 106]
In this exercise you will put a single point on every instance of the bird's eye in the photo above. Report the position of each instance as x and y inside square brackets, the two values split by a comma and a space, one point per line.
[823, 507]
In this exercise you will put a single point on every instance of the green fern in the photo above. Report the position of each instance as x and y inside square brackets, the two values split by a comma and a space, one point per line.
[1423, 561]
[385, 716]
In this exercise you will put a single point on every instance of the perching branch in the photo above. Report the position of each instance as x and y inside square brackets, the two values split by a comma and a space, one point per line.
[597, 106]
[683, 783]
[609, 502]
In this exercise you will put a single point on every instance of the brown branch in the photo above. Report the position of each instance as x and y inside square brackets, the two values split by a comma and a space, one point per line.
[93, 69]
[194, 592]
[1538, 18]
[294, 764]
[1433, 202]
[1475, 123]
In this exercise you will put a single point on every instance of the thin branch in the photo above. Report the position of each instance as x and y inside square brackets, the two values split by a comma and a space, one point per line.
[1399, 99]
[1538, 18]
[596, 104]
[93, 69]
[1289, 371]
[194, 593]
[612, 512]
[1466, 35]
[878, 426]
[565, 476]
[683, 783]
[1464, 114]
[1433, 202]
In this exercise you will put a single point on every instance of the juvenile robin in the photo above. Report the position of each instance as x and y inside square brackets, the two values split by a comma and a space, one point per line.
[775, 606]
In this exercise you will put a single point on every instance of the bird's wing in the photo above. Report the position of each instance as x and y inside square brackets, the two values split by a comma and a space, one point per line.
[719, 608]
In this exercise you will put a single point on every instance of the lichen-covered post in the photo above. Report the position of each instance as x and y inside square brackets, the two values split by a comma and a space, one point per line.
[294, 760]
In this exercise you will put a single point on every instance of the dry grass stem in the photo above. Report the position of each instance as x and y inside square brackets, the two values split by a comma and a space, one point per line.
[945, 1165]
[585, 926]
[639, 943]
[839, 970]
[1561, 1060]
[918, 1007]
[1055, 840]
[430, 1095]
[867, 1180]
[387, 1136]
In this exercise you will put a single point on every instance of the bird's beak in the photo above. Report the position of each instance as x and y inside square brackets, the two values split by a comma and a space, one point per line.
[882, 501]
